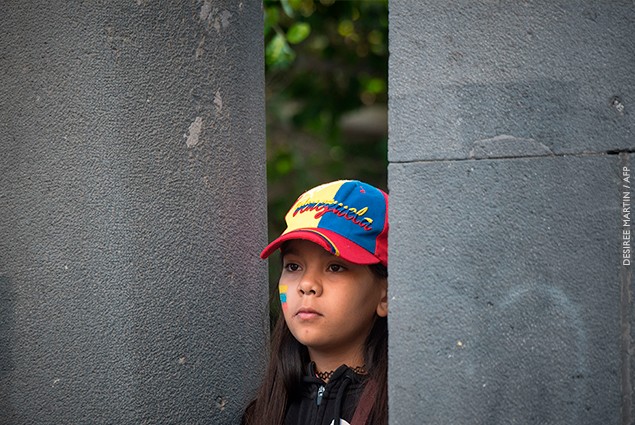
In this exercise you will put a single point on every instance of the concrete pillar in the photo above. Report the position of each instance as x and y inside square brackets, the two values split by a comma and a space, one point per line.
[132, 211]
[511, 136]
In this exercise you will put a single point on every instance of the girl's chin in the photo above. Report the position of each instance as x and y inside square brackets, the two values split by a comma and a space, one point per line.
[310, 340]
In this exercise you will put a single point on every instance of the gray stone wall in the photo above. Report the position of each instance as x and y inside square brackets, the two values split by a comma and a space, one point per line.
[132, 211]
[511, 136]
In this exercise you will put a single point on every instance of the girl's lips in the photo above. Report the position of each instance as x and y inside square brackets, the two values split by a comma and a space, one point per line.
[307, 314]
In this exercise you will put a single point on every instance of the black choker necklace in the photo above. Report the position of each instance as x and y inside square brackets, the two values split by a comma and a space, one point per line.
[326, 376]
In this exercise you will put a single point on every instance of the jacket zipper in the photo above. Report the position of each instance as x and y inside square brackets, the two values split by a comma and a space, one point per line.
[320, 394]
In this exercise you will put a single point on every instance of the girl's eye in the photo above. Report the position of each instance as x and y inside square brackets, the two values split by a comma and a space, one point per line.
[291, 267]
[336, 268]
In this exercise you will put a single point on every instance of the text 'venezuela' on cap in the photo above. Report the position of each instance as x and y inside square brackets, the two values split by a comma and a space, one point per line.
[348, 218]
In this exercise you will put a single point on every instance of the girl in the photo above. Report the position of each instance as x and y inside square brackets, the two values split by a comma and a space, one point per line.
[329, 357]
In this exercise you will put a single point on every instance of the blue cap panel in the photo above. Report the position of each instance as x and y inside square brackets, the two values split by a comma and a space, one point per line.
[359, 214]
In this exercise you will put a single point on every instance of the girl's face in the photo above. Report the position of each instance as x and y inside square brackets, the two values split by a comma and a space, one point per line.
[329, 304]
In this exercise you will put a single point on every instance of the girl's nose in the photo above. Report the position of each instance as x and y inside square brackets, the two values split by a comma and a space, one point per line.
[310, 284]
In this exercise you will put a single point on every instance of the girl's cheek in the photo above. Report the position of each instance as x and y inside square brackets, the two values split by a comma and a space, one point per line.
[283, 296]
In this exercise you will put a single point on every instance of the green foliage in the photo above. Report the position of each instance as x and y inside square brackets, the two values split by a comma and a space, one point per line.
[326, 72]
[278, 52]
[298, 32]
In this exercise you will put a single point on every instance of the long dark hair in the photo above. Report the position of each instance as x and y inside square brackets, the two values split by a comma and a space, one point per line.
[287, 365]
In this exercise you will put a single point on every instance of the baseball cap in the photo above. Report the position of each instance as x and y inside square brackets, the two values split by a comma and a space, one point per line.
[348, 218]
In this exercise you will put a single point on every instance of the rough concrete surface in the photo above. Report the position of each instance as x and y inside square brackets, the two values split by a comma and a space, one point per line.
[510, 126]
[554, 72]
[132, 211]
[505, 291]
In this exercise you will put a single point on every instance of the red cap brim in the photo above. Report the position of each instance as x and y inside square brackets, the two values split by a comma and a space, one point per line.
[330, 241]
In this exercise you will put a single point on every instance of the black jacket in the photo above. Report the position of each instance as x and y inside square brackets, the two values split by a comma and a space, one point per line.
[323, 404]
